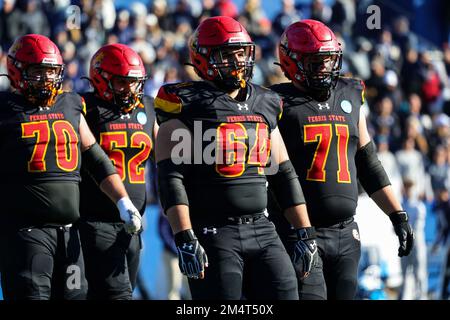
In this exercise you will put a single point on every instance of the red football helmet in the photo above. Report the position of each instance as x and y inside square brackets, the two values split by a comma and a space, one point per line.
[222, 51]
[311, 55]
[118, 75]
[35, 68]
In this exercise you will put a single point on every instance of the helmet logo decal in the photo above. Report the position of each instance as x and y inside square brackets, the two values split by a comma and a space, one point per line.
[142, 118]
[98, 59]
[284, 40]
[346, 106]
[16, 46]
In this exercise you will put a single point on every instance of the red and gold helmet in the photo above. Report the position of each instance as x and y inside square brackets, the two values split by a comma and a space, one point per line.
[35, 69]
[310, 55]
[211, 48]
[118, 75]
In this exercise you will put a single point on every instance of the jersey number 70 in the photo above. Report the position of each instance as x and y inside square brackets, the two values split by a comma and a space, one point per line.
[66, 144]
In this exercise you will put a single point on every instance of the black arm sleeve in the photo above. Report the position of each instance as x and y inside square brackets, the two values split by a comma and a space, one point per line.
[286, 186]
[371, 173]
[97, 163]
[171, 184]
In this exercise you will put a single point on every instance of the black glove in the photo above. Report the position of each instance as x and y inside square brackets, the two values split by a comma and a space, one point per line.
[404, 232]
[305, 251]
[192, 258]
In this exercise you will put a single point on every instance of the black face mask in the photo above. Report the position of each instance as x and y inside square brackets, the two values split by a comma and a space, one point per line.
[228, 84]
[226, 80]
[41, 91]
[126, 101]
[320, 82]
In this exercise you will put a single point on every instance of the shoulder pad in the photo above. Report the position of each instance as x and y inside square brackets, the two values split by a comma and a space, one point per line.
[357, 84]
[147, 100]
[272, 108]
[83, 105]
[182, 85]
[363, 91]
[89, 101]
[281, 88]
[354, 82]
[167, 100]
[75, 98]
[264, 88]
[147, 104]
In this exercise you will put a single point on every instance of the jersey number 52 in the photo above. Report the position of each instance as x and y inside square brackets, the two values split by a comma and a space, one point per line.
[114, 144]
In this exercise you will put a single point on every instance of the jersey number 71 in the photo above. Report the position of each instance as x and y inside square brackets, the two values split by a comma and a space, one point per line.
[323, 134]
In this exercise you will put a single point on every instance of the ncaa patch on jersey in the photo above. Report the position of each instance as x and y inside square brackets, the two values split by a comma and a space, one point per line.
[142, 118]
[346, 106]
[356, 234]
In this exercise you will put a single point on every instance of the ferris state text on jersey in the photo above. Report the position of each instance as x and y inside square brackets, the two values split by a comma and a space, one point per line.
[322, 139]
[127, 138]
[235, 133]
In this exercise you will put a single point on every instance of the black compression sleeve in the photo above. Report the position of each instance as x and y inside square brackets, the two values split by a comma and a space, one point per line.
[171, 184]
[371, 173]
[286, 186]
[97, 163]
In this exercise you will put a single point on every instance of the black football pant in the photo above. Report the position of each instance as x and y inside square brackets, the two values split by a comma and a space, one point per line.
[42, 263]
[246, 259]
[112, 259]
[335, 275]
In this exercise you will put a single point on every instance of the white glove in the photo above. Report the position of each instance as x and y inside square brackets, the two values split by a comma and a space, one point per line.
[130, 215]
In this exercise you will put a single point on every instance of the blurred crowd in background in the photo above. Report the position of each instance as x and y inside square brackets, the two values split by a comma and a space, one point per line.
[407, 94]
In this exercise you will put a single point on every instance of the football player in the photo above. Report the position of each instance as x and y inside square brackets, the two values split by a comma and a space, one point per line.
[216, 205]
[326, 137]
[123, 121]
[44, 137]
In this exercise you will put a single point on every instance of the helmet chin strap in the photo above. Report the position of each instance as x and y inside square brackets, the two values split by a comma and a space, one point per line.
[45, 102]
[236, 81]
[239, 77]
[54, 94]
[133, 101]
[320, 89]
[129, 108]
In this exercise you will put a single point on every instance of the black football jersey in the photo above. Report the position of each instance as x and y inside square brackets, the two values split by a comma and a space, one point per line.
[40, 149]
[128, 140]
[322, 140]
[231, 145]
